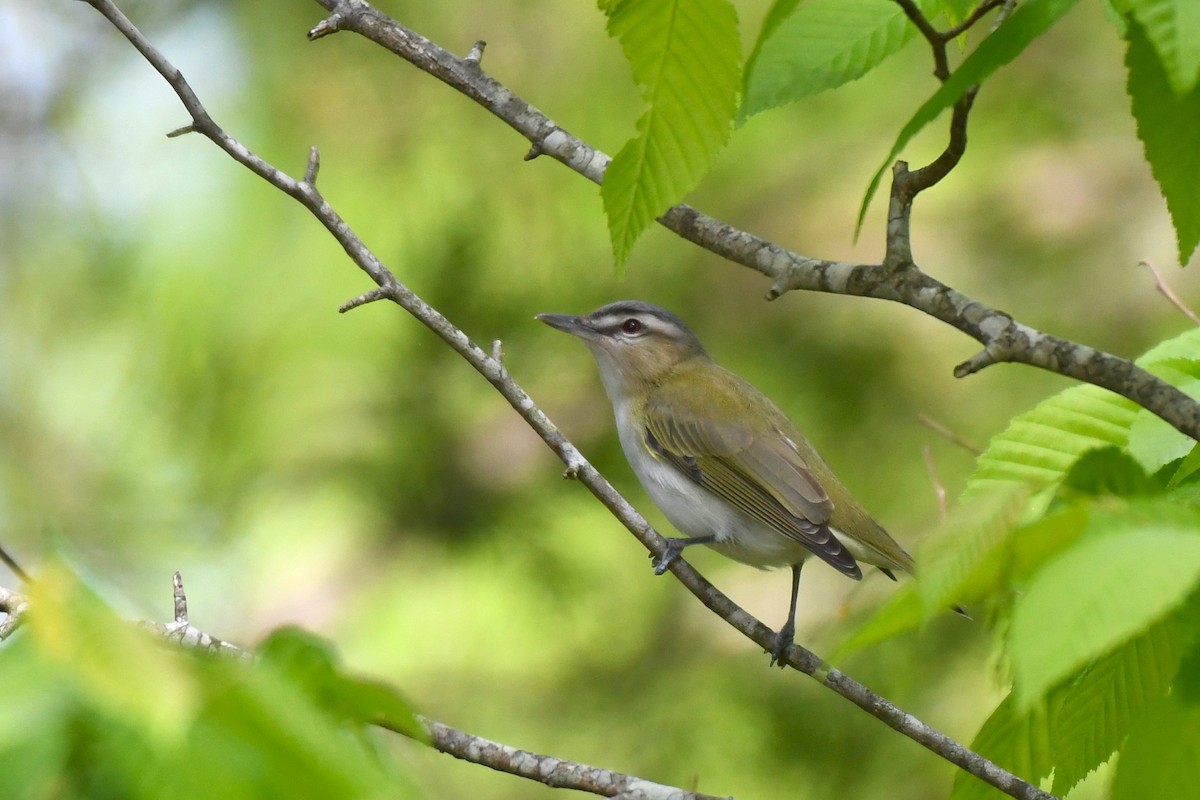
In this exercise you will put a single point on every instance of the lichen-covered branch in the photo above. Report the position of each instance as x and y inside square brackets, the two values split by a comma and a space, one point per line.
[898, 280]
[492, 369]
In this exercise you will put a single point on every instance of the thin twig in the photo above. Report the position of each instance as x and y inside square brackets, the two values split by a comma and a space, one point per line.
[10, 562]
[1003, 338]
[939, 490]
[1169, 293]
[550, 770]
[796, 656]
[949, 435]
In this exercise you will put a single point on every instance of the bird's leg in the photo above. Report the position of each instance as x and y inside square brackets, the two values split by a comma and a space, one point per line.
[674, 548]
[783, 640]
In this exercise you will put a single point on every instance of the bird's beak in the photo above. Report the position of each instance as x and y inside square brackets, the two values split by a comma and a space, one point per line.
[567, 323]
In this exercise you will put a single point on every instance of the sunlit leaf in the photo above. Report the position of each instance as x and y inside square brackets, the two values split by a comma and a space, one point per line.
[1102, 591]
[809, 47]
[1173, 27]
[686, 57]
[113, 665]
[1040, 445]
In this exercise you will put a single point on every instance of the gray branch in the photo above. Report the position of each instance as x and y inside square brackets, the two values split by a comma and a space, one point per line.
[492, 369]
[899, 280]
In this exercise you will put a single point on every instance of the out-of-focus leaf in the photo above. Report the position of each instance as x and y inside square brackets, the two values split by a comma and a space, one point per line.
[1099, 593]
[113, 665]
[312, 663]
[1161, 756]
[809, 47]
[686, 57]
[1030, 20]
[1166, 124]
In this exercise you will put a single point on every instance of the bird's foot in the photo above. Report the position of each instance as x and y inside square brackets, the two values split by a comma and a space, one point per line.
[783, 640]
[673, 550]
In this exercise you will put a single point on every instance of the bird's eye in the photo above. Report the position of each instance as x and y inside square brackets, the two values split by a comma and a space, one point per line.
[632, 325]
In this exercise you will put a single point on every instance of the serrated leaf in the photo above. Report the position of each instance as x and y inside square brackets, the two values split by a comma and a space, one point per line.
[1102, 591]
[1017, 741]
[1161, 755]
[686, 57]
[1039, 446]
[817, 45]
[1173, 27]
[1083, 721]
[1093, 713]
[1169, 127]
[1030, 20]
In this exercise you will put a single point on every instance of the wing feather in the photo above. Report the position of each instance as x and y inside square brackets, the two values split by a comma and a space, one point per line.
[764, 476]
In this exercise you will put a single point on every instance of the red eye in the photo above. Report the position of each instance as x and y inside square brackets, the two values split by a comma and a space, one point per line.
[632, 325]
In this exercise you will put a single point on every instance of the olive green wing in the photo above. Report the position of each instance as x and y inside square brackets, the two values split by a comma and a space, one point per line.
[762, 474]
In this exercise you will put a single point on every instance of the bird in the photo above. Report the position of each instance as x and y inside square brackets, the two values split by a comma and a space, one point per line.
[725, 465]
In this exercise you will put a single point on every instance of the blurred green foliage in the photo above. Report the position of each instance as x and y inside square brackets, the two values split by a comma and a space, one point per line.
[177, 390]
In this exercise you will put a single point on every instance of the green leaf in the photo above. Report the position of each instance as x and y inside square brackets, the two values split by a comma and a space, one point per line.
[1093, 713]
[1030, 20]
[1154, 442]
[1161, 756]
[1109, 471]
[1187, 467]
[1169, 126]
[1173, 27]
[108, 662]
[1017, 741]
[809, 47]
[686, 57]
[1040, 446]
[1099, 593]
[1083, 721]
[312, 663]
[902, 612]
[960, 561]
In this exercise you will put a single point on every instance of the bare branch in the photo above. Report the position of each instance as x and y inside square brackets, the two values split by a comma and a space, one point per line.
[946, 433]
[551, 770]
[901, 281]
[355, 13]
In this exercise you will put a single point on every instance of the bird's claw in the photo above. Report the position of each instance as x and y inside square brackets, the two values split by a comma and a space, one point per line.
[783, 640]
[671, 552]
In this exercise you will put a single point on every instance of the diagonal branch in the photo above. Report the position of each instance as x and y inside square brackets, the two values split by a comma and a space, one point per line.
[1003, 338]
[492, 369]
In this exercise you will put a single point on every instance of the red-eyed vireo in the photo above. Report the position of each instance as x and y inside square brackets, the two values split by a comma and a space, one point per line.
[724, 464]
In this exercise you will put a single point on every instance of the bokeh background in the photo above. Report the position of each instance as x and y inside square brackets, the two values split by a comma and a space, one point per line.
[177, 390]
